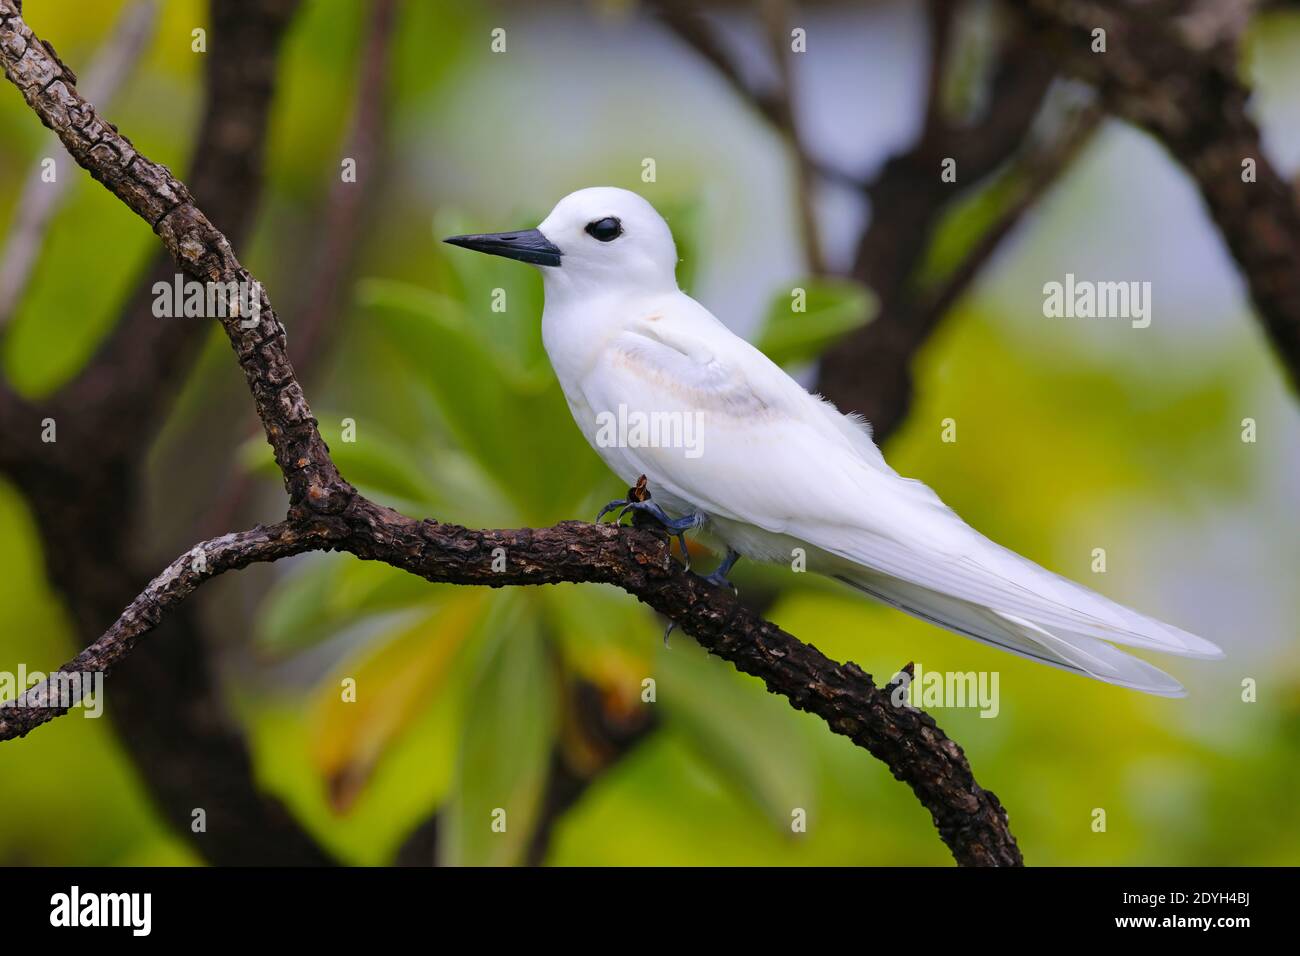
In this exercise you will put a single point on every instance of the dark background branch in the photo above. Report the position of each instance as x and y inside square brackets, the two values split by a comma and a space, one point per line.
[870, 371]
[1172, 69]
[169, 710]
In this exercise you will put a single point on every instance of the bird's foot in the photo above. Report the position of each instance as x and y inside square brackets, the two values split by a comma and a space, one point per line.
[616, 503]
[638, 502]
[677, 527]
[638, 492]
[719, 575]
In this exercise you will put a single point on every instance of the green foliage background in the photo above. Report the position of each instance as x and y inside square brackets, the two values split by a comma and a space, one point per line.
[1062, 445]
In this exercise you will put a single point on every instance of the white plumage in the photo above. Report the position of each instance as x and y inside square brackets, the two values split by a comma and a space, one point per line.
[777, 468]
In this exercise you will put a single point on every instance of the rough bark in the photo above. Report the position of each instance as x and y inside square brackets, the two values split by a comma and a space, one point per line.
[177, 581]
[969, 819]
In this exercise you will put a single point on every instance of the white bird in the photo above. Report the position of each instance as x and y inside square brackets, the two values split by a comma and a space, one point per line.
[770, 468]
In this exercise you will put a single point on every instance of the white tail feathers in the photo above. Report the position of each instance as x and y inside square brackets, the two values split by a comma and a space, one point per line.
[1072, 650]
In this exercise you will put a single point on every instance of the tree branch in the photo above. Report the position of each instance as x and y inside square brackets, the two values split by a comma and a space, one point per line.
[328, 512]
[1171, 68]
[869, 371]
[1035, 173]
[776, 25]
[142, 364]
[40, 199]
[695, 31]
[177, 581]
[970, 819]
[169, 711]
[342, 229]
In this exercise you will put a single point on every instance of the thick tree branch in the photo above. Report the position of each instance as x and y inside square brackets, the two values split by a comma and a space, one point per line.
[970, 819]
[328, 511]
[342, 229]
[1171, 68]
[201, 251]
[142, 364]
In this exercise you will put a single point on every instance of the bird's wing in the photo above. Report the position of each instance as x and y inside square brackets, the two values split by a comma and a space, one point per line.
[775, 457]
[1076, 653]
[758, 449]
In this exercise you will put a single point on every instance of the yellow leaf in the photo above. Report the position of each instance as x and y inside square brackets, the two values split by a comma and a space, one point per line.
[390, 684]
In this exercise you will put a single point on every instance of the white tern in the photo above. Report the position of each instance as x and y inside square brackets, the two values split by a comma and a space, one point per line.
[736, 447]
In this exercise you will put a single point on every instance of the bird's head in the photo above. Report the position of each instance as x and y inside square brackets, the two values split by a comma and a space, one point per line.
[594, 239]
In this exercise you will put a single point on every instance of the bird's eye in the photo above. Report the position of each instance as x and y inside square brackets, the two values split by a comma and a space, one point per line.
[606, 230]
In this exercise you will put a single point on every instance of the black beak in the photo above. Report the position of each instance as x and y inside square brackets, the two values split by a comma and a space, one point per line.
[528, 245]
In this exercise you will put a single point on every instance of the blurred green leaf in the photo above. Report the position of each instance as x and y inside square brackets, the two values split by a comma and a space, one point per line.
[741, 731]
[329, 594]
[296, 611]
[473, 389]
[606, 634]
[831, 309]
[37, 353]
[966, 224]
[516, 424]
[684, 218]
[502, 300]
[393, 683]
[505, 754]
[377, 463]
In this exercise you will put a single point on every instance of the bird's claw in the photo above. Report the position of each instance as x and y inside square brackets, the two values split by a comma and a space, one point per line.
[719, 574]
[638, 492]
[718, 579]
[610, 507]
[677, 527]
